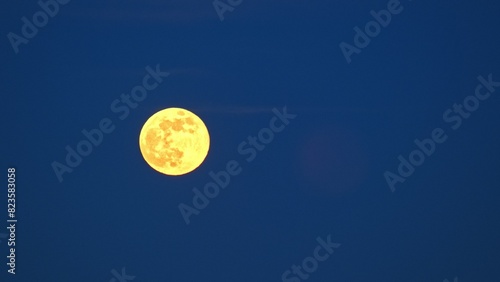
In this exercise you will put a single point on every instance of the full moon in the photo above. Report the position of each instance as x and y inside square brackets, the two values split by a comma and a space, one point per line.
[174, 141]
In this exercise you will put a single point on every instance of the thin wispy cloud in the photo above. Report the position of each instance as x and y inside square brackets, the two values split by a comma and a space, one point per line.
[249, 110]
[147, 12]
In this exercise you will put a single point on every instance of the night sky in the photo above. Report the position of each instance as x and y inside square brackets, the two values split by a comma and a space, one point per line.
[385, 166]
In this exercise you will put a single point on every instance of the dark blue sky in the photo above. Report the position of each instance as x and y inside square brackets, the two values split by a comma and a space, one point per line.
[322, 176]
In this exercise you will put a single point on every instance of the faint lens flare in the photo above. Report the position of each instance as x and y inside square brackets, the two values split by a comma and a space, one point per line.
[333, 160]
[3, 236]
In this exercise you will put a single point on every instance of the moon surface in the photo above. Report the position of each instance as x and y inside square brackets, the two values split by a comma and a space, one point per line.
[174, 141]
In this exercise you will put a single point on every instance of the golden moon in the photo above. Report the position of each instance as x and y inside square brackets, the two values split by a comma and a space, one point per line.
[174, 141]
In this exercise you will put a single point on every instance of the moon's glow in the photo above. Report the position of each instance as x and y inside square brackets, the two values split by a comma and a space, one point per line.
[174, 141]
